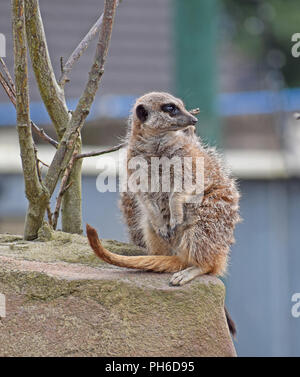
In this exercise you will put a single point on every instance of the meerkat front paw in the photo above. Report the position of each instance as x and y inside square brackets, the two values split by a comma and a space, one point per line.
[164, 232]
[174, 223]
[184, 276]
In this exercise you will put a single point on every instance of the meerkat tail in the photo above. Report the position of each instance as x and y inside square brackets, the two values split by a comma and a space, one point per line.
[230, 322]
[156, 263]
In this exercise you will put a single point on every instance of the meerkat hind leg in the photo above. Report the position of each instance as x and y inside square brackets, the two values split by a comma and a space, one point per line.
[184, 276]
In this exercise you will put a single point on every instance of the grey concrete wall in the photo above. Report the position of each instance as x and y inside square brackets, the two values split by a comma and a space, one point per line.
[139, 58]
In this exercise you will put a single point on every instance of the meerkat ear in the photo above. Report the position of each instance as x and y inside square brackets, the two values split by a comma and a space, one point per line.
[141, 113]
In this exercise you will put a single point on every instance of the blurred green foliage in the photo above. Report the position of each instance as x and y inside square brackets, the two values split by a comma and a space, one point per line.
[263, 30]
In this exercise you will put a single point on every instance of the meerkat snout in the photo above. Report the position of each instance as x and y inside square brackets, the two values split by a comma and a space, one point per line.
[183, 120]
[194, 120]
[186, 120]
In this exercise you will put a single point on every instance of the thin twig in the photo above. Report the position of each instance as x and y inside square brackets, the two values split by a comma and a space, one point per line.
[43, 163]
[11, 93]
[79, 50]
[37, 163]
[8, 89]
[61, 64]
[49, 215]
[63, 188]
[43, 135]
[99, 153]
[8, 75]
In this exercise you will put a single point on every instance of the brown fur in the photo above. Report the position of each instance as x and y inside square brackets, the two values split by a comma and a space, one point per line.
[158, 263]
[199, 234]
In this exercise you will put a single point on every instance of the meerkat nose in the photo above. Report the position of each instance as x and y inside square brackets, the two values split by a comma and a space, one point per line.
[194, 120]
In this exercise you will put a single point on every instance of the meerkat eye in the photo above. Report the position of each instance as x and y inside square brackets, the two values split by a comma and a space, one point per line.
[170, 108]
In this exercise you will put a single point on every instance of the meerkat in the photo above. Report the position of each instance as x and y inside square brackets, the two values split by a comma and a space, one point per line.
[188, 238]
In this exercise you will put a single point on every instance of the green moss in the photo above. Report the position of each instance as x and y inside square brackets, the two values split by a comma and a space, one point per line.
[111, 293]
[4, 238]
[45, 232]
[52, 246]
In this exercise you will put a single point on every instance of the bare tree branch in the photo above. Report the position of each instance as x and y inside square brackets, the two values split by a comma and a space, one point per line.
[5, 69]
[36, 193]
[65, 150]
[10, 91]
[99, 153]
[61, 60]
[58, 204]
[51, 93]
[38, 161]
[54, 100]
[42, 162]
[63, 188]
[68, 126]
[43, 135]
[79, 50]
[49, 215]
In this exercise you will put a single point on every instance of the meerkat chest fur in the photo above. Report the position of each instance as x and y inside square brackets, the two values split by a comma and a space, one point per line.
[163, 155]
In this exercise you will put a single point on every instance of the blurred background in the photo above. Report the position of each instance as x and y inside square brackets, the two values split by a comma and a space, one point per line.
[231, 58]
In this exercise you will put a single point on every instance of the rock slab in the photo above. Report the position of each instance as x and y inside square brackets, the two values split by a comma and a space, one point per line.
[62, 301]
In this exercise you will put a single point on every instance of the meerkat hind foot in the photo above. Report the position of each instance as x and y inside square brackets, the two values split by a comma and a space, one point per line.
[184, 276]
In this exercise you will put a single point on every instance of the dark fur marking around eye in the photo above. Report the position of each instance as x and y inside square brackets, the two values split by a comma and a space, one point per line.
[171, 109]
[142, 113]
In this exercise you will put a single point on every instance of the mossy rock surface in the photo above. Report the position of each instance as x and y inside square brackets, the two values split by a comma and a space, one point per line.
[62, 301]
[60, 246]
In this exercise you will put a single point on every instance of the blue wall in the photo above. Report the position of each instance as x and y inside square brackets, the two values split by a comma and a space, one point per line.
[264, 271]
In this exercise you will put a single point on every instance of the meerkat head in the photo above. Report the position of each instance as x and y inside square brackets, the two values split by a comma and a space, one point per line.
[157, 112]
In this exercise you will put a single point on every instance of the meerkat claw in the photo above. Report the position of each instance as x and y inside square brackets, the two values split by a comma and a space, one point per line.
[178, 279]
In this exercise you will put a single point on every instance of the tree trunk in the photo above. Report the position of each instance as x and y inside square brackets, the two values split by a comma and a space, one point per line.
[71, 211]
[54, 100]
[36, 193]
